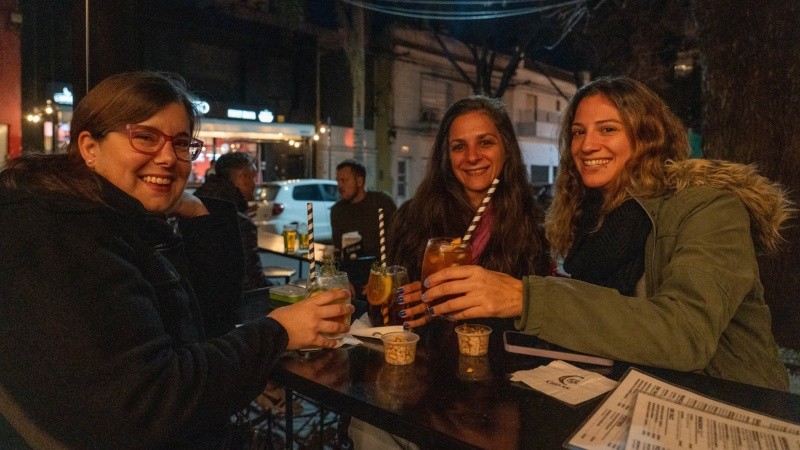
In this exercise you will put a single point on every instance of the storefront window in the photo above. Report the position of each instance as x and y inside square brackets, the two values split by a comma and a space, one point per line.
[213, 149]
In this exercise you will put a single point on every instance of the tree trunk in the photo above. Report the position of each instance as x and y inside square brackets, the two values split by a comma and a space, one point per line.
[384, 112]
[751, 55]
[354, 44]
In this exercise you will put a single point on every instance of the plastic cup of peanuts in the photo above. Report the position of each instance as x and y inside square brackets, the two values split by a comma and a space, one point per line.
[473, 339]
[400, 347]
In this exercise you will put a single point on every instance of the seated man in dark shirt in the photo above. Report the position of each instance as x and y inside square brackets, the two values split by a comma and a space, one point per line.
[357, 210]
[234, 180]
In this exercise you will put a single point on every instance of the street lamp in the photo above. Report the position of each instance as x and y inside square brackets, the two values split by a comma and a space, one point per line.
[325, 132]
[685, 62]
[50, 113]
[53, 113]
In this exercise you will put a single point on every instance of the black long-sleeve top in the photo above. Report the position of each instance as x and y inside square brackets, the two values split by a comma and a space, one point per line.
[217, 187]
[102, 333]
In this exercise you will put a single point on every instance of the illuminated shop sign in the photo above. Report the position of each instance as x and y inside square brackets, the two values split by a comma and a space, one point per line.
[264, 115]
[64, 97]
[201, 106]
[205, 108]
[241, 114]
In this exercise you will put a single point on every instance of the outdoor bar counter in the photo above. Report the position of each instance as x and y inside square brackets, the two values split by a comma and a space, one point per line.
[447, 401]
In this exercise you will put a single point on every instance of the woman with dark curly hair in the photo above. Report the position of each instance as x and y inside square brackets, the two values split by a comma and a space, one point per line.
[661, 248]
[474, 145]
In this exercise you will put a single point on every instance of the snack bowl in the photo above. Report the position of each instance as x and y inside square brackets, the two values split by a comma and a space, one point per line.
[473, 339]
[400, 347]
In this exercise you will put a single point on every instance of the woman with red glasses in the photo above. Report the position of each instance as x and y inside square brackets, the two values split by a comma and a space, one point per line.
[105, 303]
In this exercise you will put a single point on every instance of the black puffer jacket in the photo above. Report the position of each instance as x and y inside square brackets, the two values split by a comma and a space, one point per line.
[220, 188]
[101, 332]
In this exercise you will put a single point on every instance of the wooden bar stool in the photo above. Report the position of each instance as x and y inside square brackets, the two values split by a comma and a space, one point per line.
[279, 272]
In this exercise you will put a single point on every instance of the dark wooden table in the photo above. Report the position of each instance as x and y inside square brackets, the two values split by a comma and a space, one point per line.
[357, 270]
[273, 243]
[445, 400]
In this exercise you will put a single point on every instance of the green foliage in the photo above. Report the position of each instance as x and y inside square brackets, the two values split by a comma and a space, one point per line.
[328, 267]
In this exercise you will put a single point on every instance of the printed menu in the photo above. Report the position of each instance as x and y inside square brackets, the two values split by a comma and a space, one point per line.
[657, 423]
[624, 420]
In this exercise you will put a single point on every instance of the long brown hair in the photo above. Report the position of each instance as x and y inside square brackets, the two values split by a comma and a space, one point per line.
[130, 97]
[440, 206]
[657, 136]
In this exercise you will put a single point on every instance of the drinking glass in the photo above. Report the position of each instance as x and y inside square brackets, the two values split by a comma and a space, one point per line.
[302, 234]
[289, 238]
[328, 282]
[382, 295]
[441, 252]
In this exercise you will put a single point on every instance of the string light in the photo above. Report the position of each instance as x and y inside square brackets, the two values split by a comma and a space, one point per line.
[462, 9]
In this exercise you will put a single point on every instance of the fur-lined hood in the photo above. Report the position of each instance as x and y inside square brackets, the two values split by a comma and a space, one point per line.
[766, 201]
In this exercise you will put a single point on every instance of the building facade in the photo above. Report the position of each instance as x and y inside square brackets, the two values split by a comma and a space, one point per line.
[284, 94]
[425, 84]
[10, 80]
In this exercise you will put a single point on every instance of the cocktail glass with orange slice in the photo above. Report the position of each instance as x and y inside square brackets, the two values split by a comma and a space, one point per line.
[382, 294]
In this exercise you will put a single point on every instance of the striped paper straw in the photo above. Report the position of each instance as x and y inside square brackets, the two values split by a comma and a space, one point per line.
[385, 313]
[385, 305]
[481, 209]
[382, 236]
[312, 260]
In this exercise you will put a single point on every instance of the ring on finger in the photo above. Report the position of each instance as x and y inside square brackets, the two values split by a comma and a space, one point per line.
[429, 310]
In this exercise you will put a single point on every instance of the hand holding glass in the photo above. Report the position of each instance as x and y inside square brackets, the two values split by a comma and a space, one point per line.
[441, 253]
[329, 282]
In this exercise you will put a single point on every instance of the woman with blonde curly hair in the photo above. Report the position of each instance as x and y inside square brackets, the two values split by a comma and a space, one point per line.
[661, 249]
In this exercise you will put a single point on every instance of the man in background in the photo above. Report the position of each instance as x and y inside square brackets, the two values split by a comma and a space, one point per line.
[357, 209]
[233, 179]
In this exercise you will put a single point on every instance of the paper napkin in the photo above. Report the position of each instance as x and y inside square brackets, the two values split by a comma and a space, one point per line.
[565, 382]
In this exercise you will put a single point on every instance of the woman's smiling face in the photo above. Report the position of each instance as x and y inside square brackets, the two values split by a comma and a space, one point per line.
[601, 145]
[156, 180]
[476, 153]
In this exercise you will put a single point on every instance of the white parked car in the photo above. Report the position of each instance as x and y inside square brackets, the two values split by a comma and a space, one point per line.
[284, 202]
